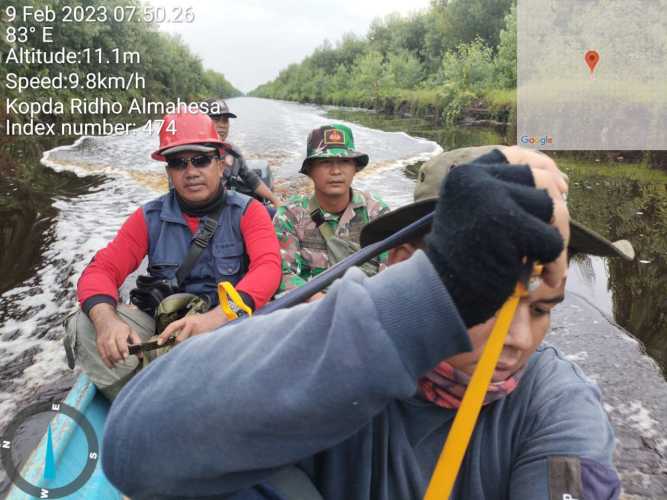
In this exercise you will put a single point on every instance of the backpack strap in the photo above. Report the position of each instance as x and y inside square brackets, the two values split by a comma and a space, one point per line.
[316, 215]
[205, 231]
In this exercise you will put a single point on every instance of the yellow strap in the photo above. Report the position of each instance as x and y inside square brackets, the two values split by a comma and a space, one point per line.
[227, 295]
[447, 468]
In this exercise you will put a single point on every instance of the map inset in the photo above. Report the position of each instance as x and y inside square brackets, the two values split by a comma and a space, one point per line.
[592, 74]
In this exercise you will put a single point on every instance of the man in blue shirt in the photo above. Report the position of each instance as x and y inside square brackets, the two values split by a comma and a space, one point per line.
[359, 389]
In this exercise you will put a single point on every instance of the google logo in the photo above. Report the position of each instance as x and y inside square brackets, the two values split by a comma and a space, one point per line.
[542, 141]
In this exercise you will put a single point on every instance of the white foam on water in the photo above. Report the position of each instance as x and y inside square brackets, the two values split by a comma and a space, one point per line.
[288, 124]
[661, 444]
[83, 226]
[578, 356]
[48, 365]
[639, 418]
[389, 181]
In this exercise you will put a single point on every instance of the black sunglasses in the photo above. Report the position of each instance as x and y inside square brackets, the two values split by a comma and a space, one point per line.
[199, 161]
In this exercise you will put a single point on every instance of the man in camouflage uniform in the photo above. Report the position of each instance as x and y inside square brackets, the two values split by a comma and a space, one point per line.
[317, 231]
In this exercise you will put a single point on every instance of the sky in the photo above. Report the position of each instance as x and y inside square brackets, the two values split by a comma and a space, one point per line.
[250, 41]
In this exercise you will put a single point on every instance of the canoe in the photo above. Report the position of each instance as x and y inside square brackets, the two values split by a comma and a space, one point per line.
[70, 449]
[70, 444]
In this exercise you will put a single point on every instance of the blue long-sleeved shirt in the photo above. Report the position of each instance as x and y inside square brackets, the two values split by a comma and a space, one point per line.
[330, 386]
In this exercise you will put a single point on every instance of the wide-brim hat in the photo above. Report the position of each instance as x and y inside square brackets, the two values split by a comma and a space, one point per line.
[332, 141]
[429, 179]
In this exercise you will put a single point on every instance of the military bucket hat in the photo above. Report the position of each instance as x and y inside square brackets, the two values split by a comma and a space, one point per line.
[332, 141]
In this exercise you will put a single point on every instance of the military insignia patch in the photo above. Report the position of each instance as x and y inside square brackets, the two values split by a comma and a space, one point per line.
[334, 136]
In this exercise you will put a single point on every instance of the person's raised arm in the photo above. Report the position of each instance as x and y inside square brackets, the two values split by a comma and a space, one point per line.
[222, 410]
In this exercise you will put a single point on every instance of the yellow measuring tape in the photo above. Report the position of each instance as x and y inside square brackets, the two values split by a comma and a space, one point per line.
[231, 302]
[449, 463]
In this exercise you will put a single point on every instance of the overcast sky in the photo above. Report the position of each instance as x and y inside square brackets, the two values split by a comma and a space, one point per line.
[250, 41]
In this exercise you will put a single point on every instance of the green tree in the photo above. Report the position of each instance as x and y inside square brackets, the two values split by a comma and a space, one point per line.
[404, 69]
[216, 84]
[470, 67]
[369, 76]
[350, 48]
[468, 20]
[441, 59]
[506, 58]
[168, 66]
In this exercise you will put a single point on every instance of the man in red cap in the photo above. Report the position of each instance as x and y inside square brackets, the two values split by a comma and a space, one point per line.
[231, 233]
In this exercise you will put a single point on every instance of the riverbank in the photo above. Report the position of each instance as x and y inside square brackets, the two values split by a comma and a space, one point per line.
[494, 108]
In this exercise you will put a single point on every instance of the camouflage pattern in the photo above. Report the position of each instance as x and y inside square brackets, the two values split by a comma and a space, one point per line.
[302, 246]
[332, 141]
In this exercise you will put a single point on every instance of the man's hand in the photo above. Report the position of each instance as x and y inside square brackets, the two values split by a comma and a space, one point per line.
[547, 176]
[554, 272]
[112, 334]
[488, 220]
[193, 324]
[535, 160]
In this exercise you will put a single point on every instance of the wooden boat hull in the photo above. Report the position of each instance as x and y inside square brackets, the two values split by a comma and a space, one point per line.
[70, 448]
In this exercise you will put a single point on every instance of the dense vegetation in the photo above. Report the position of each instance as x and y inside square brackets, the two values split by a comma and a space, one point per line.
[170, 70]
[439, 62]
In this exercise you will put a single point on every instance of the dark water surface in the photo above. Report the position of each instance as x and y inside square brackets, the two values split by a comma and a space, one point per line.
[618, 199]
[27, 193]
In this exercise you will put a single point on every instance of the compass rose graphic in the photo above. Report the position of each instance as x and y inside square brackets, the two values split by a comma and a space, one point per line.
[50, 475]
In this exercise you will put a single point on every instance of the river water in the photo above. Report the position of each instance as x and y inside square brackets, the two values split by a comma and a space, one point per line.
[62, 214]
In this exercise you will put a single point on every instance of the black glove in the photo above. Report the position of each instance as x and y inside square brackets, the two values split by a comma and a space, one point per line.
[487, 220]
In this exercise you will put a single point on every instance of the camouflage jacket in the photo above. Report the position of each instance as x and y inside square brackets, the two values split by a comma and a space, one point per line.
[303, 248]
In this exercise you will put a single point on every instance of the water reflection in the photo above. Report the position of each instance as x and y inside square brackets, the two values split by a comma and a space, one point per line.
[448, 138]
[588, 277]
[27, 193]
[634, 209]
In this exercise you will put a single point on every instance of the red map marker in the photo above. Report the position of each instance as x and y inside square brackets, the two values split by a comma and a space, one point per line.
[592, 58]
